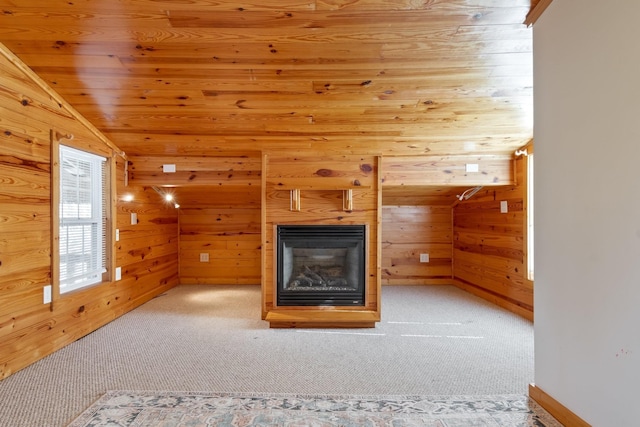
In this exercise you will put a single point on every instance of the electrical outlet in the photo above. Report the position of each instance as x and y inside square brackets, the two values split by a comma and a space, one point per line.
[424, 257]
[169, 168]
[118, 273]
[204, 257]
[117, 235]
[472, 167]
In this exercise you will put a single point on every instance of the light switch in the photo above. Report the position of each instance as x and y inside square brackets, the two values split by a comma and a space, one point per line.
[134, 218]
[118, 273]
[504, 206]
[117, 235]
[472, 167]
[424, 257]
[204, 257]
[46, 297]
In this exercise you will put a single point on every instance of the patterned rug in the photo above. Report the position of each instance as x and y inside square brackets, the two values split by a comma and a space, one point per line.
[130, 408]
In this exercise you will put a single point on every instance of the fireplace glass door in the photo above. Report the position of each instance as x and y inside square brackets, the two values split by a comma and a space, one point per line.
[320, 265]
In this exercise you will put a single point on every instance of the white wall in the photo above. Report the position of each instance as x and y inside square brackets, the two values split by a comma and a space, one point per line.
[587, 208]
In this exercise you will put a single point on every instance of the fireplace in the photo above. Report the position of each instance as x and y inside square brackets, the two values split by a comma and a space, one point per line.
[320, 265]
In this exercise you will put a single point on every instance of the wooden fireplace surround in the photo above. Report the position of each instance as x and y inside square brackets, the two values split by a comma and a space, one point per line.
[314, 190]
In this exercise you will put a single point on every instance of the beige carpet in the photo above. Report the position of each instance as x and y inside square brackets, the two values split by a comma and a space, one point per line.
[431, 341]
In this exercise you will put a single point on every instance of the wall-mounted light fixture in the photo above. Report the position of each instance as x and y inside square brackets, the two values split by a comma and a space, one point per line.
[467, 194]
[166, 196]
[127, 197]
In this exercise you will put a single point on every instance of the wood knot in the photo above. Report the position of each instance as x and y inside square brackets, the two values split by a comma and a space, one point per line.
[366, 168]
[324, 172]
[81, 309]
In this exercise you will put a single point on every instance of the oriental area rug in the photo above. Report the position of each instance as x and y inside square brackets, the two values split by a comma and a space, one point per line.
[176, 409]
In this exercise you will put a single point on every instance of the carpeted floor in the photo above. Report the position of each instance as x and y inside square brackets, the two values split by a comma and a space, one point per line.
[432, 341]
[128, 409]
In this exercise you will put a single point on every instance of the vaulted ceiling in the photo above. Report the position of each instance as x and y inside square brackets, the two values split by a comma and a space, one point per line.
[204, 77]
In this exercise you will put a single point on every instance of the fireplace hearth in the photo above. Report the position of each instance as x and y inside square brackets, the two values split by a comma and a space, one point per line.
[320, 265]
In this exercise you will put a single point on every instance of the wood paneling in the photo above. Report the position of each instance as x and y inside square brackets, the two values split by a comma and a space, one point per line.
[420, 195]
[399, 77]
[408, 231]
[447, 171]
[201, 171]
[489, 246]
[324, 88]
[225, 225]
[146, 252]
[220, 202]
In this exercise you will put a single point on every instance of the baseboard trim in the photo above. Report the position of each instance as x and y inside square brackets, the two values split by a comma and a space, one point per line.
[555, 408]
[495, 299]
[416, 282]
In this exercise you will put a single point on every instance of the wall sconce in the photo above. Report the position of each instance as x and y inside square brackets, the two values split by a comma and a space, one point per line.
[127, 197]
[166, 196]
[467, 194]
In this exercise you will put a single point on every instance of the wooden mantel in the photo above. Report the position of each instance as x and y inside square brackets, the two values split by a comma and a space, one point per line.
[321, 183]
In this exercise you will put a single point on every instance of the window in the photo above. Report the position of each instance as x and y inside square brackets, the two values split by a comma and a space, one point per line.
[529, 230]
[83, 218]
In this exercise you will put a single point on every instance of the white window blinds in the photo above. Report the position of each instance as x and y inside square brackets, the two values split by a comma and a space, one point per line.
[82, 218]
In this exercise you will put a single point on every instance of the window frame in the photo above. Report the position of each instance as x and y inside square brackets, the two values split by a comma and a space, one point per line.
[105, 227]
[529, 251]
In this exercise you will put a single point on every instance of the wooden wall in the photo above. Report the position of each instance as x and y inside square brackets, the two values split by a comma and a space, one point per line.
[220, 205]
[489, 247]
[408, 231]
[225, 225]
[451, 171]
[146, 252]
[417, 197]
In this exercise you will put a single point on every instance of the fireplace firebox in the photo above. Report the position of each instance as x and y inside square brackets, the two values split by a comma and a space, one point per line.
[320, 265]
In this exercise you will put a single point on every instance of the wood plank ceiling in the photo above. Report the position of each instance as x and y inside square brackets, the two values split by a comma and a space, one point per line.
[205, 77]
